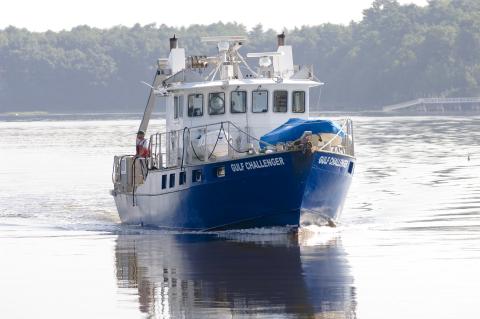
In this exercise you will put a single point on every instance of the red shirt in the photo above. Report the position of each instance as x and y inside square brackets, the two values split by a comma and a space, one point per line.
[142, 147]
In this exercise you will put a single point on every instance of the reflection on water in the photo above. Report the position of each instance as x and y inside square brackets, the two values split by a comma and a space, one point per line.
[197, 276]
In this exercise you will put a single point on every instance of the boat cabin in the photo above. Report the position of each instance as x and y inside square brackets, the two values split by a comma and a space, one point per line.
[256, 105]
[200, 90]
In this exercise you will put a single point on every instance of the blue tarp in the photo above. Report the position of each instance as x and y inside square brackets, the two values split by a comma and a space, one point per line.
[294, 128]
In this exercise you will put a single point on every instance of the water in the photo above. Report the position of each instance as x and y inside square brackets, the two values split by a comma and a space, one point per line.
[408, 245]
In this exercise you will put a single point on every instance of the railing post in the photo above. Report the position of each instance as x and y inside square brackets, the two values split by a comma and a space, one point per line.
[179, 148]
[158, 150]
[227, 137]
[186, 145]
[205, 157]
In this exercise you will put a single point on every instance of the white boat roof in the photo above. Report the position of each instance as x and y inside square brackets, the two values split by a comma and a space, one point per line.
[240, 82]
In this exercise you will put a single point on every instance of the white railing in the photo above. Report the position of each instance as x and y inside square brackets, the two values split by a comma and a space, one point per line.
[225, 140]
[206, 143]
[217, 142]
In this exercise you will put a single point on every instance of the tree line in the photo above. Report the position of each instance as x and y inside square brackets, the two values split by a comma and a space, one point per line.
[395, 53]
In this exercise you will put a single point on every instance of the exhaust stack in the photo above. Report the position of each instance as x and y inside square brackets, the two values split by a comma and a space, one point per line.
[173, 43]
[281, 39]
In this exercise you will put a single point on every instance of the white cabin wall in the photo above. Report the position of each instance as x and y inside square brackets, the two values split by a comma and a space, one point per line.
[283, 64]
[176, 60]
[262, 123]
[258, 123]
[169, 112]
[307, 102]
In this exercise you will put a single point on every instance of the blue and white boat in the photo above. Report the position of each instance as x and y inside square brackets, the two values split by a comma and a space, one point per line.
[239, 149]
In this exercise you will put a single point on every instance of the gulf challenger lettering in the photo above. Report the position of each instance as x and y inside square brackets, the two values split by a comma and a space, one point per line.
[251, 165]
[333, 161]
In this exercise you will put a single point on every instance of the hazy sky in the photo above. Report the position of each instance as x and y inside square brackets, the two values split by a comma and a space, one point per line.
[41, 15]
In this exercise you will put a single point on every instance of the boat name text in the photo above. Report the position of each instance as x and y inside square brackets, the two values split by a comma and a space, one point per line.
[333, 161]
[264, 163]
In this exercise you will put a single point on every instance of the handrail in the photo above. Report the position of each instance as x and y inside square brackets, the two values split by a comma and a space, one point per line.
[333, 138]
[249, 135]
[203, 143]
[172, 146]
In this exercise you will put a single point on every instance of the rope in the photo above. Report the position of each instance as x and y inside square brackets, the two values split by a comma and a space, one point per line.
[248, 135]
[191, 144]
[338, 133]
[228, 141]
[218, 138]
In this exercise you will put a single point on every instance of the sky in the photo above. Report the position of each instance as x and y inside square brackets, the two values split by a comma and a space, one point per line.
[55, 15]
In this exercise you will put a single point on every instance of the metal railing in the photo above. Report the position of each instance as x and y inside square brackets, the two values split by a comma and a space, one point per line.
[217, 142]
[225, 140]
[205, 143]
[343, 142]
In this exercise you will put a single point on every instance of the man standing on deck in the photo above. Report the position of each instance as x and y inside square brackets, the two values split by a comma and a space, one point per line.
[142, 145]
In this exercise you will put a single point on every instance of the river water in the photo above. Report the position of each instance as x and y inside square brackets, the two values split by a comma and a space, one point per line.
[407, 246]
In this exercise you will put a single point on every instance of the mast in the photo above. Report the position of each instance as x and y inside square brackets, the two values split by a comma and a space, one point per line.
[165, 68]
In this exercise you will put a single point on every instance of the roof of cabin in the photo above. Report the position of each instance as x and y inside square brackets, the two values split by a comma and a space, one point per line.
[242, 82]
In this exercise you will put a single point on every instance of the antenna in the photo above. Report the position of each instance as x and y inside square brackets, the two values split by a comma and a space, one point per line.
[224, 38]
[147, 85]
[264, 54]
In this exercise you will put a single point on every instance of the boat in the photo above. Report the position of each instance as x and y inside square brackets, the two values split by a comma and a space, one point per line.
[238, 149]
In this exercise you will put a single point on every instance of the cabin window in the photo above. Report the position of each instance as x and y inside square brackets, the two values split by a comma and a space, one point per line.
[164, 181]
[182, 178]
[172, 180]
[280, 100]
[238, 102]
[260, 101]
[177, 107]
[195, 105]
[298, 102]
[216, 103]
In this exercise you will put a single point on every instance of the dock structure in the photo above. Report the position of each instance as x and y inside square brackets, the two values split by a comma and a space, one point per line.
[436, 105]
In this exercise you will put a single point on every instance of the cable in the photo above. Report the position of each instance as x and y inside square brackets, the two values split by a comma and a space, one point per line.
[228, 141]
[218, 137]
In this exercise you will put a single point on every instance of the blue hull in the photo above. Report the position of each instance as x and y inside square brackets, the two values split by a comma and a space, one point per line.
[327, 187]
[258, 191]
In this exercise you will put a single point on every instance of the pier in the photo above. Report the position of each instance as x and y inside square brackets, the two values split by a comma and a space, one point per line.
[436, 105]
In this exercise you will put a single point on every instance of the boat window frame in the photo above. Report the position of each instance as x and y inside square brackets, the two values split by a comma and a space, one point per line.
[182, 178]
[274, 107]
[177, 107]
[164, 181]
[210, 101]
[191, 112]
[245, 106]
[268, 93]
[304, 100]
[181, 104]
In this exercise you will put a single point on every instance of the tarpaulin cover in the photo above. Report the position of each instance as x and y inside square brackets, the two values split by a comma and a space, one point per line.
[294, 128]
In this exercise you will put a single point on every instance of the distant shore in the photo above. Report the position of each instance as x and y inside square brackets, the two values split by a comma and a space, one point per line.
[45, 116]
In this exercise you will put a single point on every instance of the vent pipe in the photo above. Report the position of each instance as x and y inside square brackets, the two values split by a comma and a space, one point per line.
[281, 39]
[173, 43]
